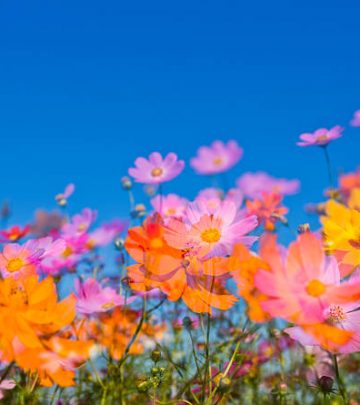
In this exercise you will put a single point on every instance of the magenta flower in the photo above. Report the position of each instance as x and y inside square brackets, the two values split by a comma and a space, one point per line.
[321, 137]
[253, 185]
[156, 170]
[217, 158]
[91, 297]
[170, 205]
[355, 122]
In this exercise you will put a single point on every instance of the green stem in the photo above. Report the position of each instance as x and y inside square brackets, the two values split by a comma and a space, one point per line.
[328, 165]
[339, 381]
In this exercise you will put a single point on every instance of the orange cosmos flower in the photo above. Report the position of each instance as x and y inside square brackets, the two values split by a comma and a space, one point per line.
[30, 311]
[178, 273]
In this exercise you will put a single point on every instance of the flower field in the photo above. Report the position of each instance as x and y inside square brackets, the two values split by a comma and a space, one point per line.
[187, 301]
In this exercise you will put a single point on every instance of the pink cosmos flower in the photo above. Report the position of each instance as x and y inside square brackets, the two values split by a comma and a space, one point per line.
[345, 317]
[355, 122]
[321, 137]
[217, 158]
[105, 234]
[303, 282]
[210, 233]
[18, 259]
[80, 223]
[91, 297]
[254, 184]
[170, 205]
[213, 198]
[156, 170]
[6, 385]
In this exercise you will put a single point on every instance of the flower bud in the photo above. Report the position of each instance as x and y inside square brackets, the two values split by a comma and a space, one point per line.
[303, 228]
[224, 384]
[126, 183]
[119, 243]
[187, 322]
[143, 386]
[155, 355]
[326, 383]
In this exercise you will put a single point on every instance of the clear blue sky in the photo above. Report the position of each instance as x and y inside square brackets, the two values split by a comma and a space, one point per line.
[87, 86]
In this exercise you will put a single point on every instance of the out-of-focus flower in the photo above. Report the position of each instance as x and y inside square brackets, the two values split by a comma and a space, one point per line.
[254, 184]
[170, 205]
[156, 169]
[210, 233]
[342, 234]
[105, 234]
[62, 198]
[6, 385]
[31, 312]
[321, 137]
[213, 198]
[47, 224]
[56, 361]
[349, 181]
[268, 209]
[355, 122]
[80, 223]
[302, 284]
[14, 233]
[92, 298]
[5, 211]
[217, 158]
[16, 260]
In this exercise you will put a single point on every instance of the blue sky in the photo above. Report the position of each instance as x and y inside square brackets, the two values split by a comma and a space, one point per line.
[86, 87]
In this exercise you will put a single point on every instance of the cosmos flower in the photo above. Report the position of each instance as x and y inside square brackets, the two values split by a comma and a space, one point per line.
[355, 122]
[170, 205]
[6, 385]
[268, 209]
[254, 184]
[217, 158]
[80, 223]
[16, 260]
[321, 137]
[14, 234]
[92, 298]
[304, 282]
[61, 198]
[213, 198]
[211, 233]
[341, 228]
[156, 169]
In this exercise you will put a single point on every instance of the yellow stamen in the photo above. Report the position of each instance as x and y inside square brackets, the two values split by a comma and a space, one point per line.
[157, 171]
[315, 288]
[211, 235]
[218, 161]
[156, 243]
[108, 305]
[15, 265]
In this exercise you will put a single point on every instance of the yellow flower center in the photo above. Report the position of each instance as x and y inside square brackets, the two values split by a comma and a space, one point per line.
[108, 305]
[322, 138]
[315, 288]
[157, 171]
[211, 235]
[218, 161]
[67, 252]
[15, 265]
[171, 211]
[156, 243]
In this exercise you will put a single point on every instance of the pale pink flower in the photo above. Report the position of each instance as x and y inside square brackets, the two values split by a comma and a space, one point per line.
[80, 223]
[355, 122]
[6, 385]
[170, 205]
[210, 233]
[217, 158]
[105, 234]
[61, 198]
[321, 137]
[254, 184]
[91, 297]
[156, 169]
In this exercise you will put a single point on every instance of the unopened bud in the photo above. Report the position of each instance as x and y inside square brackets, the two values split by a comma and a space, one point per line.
[187, 322]
[155, 355]
[119, 243]
[61, 200]
[126, 183]
[224, 384]
[326, 383]
[143, 386]
[303, 228]
[150, 190]
[139, 211]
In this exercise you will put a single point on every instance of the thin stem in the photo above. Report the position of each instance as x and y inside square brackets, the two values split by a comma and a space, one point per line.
[328, 164]
[339, 381]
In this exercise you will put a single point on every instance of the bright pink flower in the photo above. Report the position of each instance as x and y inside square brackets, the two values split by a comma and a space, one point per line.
[217, 158]
[6, 385]
[345, 317]
[321, 137]
[210, 233]
[303, 282]
[91, 297]
[355, 122]
[170, 205]
[156, 170]
[254, 184]
[18, 259]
